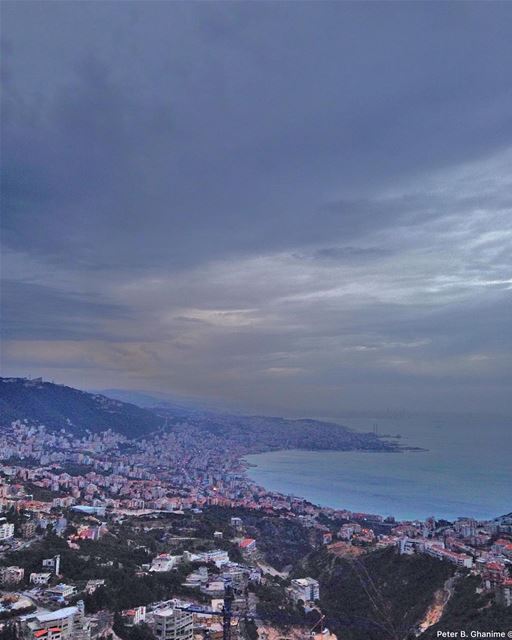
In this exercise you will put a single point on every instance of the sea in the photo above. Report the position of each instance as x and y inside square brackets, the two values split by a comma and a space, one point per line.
[464, 470]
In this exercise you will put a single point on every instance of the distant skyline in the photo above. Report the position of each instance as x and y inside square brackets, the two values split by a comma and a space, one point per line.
[300, 208]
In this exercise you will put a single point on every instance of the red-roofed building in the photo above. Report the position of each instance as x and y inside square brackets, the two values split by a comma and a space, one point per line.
[134, 616]
[247, 544]
[63, 624]
[54, 633]
[494, 574]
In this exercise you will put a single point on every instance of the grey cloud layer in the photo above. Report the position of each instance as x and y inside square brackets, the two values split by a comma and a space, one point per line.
[275, 204]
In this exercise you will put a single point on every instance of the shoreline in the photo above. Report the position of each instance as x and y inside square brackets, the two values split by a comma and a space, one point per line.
[246, 466]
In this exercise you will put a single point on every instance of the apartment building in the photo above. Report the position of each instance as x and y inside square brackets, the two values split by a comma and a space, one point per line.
[6, 529]
[305, 589]
[11, 575]
[173, 624]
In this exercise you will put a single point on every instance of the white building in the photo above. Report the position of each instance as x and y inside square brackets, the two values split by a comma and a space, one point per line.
[92, 585]
[63, 624]
[214, 589]
[134, 616]
[40, 579]
[460, 559]
[197, 578]
[406, 546]
[164, 562]
[52, 564]
[6, 529]
[216, 556]
[173, 624]
[305, 589]
[61, 591]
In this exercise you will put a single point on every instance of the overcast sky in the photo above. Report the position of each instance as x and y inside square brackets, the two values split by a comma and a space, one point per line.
[293, 207]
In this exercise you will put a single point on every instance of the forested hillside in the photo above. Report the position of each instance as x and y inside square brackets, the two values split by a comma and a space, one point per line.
[378, 596]
[60, 407]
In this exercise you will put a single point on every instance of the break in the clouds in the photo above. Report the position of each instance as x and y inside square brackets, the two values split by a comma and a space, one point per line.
[303, 207]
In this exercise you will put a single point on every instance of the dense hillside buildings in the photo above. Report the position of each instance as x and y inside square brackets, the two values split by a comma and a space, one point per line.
[78, 492]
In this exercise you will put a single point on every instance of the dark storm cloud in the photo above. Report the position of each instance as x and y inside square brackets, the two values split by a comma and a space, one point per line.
[253, 199]
[30, 310]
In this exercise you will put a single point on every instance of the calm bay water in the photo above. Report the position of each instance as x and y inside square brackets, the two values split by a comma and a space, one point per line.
[467, 471]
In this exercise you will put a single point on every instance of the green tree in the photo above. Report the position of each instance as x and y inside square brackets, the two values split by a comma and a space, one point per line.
[8, 632]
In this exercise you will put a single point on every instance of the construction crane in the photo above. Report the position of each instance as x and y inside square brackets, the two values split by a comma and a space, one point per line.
[310, 631]
[226, 612]
[318, 622]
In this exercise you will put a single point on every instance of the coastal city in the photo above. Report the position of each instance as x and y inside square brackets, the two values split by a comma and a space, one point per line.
[255, 320]
[202, 550]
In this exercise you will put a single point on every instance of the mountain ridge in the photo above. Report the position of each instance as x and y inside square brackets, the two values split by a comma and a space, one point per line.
[36, 402]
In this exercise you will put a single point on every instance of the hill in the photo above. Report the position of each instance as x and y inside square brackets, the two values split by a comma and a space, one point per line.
[472, 611]
[37, 402]
[257, 434]
[59, 407]
[173, 407]
[380, 596]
